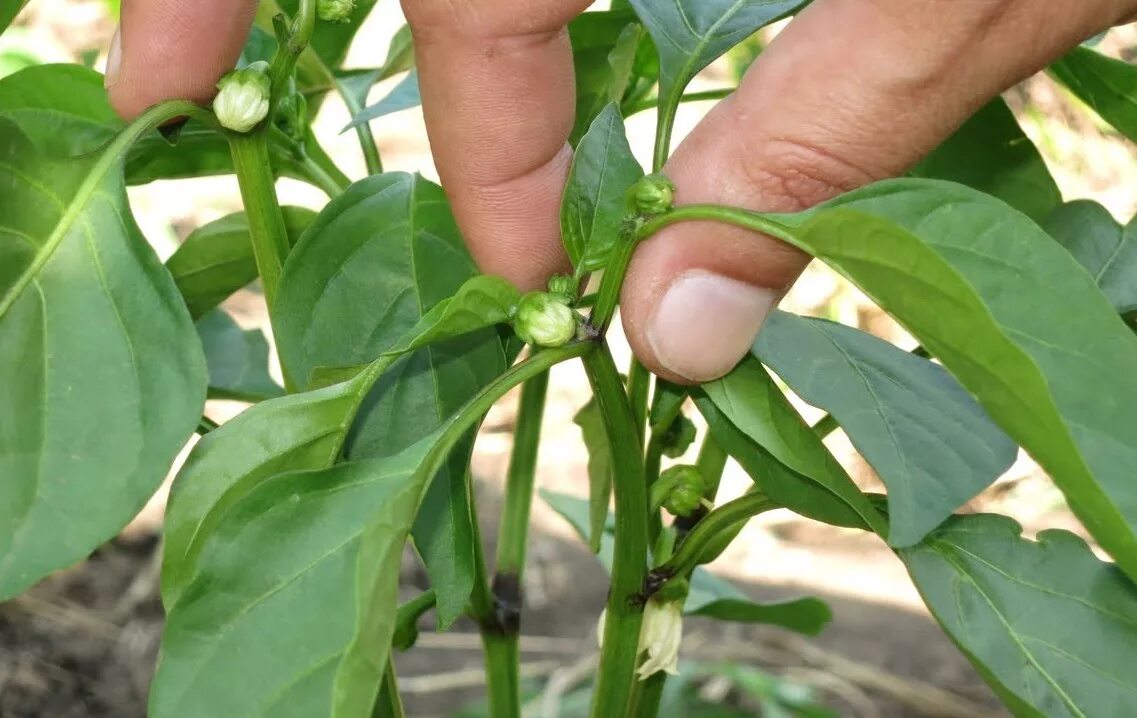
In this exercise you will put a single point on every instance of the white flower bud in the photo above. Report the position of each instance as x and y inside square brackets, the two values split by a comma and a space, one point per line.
[659, 638]
[334, 10]
[243, 97]
[544, 320]
[660, 635]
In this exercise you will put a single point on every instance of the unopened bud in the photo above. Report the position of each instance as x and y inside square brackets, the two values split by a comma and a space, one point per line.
[564, 286]
[544, 320]
[243, 97]
[653, 194]
[679, 489]
[334, 10]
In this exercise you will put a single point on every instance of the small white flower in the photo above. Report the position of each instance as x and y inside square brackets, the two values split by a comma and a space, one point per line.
[660, 635]
[243, 97]
[659, 638]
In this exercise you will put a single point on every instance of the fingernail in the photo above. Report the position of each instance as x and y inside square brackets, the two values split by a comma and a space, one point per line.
[705, 323]
[114, 58]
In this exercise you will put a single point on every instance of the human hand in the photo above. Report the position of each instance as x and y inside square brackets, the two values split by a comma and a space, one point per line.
[851, 92]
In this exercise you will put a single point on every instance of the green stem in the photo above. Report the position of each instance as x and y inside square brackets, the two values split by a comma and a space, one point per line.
[616, 674]
[664, 127]
[206, 425]
[363, 132]
[499, 639]
[653, 457]
[608, 296]
[322, 171]
[266, 222]
[300, 32]
[825, 426]
[711, 462]
[514, 531]
[648, 103]
[687, 556]
[639, 386]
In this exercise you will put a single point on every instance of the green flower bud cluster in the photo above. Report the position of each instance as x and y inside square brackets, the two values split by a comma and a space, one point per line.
[679, 489]
[335, 10]
[243, 96]
[651, 195]
[678, 437]
[544, 319]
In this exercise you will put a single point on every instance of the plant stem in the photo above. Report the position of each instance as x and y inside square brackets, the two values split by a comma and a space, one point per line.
[288, 52]
[687, 556]
[705, 96]
[616, 674]
[499, 639]
[825, 426]
[711, 462]
[500, 607]
[266, 222]
[514, 531]
[206, 425]
[608, 296]
[639, 386]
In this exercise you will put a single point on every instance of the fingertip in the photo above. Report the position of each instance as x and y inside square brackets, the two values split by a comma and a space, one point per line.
[170, 49]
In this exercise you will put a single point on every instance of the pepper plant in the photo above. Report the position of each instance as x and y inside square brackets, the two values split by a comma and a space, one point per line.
[286, 526]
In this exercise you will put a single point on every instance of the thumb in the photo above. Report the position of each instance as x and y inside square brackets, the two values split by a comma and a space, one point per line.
[849, 93]
[173, 49]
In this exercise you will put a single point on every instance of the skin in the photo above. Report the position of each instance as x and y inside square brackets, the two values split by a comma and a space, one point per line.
[862, 89]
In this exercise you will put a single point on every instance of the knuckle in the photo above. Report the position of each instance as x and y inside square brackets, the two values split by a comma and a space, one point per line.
[792, 174]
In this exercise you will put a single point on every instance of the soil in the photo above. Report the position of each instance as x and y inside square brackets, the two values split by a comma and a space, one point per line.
[83, 643]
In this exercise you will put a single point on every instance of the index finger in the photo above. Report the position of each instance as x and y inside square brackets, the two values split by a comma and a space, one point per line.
[498, 97]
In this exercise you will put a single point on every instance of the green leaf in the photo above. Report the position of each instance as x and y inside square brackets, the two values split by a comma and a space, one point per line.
[690, 34]
[1051, 627]
[797, 492]
[992, 154]
[591, 423]
[927, 438]
[1013, 317]
[402, 96]
[102, 378]
[802, 615]
[1107, 250]
[604, 47]
[9, 9]
[1103, 83]
[373, 263]
[309, 562]
[595, 203]
[217, 259]
[291, 433]
[237, 359]
[752, 403]
[710, 595]
[62, 109]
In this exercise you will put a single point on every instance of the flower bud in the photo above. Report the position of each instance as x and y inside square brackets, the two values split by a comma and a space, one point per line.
[544, 320]
[334, 10]
[564, 286]
[243, 97]
[678, 437]
[679, 489]
[652, 194]
[660, 636]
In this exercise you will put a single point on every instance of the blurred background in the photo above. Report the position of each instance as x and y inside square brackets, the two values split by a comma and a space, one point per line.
[83, 643]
